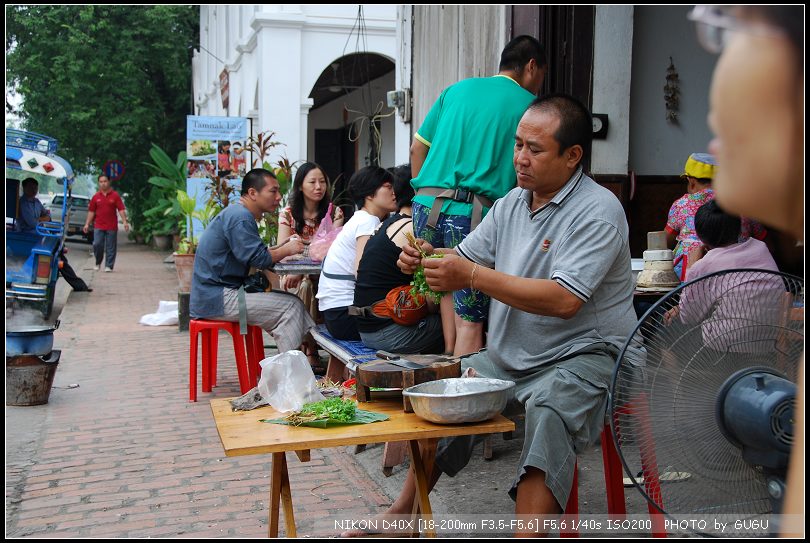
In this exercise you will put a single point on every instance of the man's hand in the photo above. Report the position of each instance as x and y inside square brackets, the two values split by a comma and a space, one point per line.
[410, 258]
[449, 273]
[293, 246]
[85, 228]
[126, 226]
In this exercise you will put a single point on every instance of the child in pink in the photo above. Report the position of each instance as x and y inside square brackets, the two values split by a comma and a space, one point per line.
[698, 172]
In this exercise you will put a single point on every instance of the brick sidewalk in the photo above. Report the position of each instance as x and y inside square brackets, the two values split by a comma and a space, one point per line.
[126, 455]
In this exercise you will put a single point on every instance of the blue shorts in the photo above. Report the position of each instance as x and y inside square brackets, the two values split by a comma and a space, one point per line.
[470, 305]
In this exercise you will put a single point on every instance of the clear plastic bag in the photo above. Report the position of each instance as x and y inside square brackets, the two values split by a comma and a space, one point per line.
[287, 382]
[323, 238]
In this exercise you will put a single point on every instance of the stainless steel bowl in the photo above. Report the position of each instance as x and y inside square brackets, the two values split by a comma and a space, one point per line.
[452, 401]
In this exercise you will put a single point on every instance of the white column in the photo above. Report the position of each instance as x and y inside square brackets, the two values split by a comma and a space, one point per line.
[279, 62]
[612, 63]
[402, 59]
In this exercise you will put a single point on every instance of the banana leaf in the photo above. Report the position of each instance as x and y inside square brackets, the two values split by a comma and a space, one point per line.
[360, 417]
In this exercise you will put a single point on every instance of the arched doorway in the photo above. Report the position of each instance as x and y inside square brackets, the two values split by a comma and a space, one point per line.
[350, 124]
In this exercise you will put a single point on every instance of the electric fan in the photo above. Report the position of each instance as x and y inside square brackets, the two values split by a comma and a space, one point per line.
[703, 395]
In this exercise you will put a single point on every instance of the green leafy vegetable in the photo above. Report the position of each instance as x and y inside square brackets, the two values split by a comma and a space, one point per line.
[419, 284]
[333, 408]
[330, 412]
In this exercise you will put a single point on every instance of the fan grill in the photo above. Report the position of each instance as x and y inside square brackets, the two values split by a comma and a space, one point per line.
[670, 371]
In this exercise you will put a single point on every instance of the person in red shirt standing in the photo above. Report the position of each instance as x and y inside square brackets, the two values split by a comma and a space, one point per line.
[102, 213]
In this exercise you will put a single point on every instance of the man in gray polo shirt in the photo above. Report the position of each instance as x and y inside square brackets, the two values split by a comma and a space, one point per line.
[554, 256]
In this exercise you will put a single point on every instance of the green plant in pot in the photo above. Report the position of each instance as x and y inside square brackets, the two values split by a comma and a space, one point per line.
[184, 256]
[168, 177]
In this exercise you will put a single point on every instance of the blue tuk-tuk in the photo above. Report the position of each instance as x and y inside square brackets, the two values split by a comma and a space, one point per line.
[32, 258]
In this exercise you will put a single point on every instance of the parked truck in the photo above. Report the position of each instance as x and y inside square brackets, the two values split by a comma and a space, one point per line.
[32, 258]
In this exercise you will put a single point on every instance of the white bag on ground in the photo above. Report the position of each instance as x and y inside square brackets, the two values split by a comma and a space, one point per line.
[287, 381]
[166, 315]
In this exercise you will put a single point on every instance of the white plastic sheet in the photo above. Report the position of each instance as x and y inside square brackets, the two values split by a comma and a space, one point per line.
[166, 315]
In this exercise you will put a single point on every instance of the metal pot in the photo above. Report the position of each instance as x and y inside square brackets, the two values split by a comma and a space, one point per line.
[34, 340]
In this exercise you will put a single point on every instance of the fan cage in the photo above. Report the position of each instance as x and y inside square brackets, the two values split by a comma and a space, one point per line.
[668, 374]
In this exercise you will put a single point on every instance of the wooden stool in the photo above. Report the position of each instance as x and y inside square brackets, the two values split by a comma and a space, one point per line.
[247, 360]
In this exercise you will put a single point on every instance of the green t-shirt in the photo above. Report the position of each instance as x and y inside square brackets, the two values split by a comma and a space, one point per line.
[471, 134]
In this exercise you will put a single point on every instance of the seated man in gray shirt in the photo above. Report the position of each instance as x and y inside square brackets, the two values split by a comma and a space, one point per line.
[554, 256]
[228, 248]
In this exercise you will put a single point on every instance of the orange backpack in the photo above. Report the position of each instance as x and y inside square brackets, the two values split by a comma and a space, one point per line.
[401, 306]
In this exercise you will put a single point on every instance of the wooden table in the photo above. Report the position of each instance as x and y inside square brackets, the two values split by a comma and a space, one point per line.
[242, 434]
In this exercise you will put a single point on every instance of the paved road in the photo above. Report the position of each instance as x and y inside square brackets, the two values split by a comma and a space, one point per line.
[125, 454]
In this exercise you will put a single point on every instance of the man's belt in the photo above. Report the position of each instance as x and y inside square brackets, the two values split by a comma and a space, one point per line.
[457, 195]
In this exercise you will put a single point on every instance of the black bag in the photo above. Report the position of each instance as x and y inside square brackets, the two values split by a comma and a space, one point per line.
[257, 283]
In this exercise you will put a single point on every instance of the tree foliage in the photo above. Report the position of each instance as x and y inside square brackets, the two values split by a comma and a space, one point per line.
[106, 81]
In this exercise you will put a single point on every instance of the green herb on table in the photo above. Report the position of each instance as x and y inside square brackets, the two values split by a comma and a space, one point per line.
[330, 412]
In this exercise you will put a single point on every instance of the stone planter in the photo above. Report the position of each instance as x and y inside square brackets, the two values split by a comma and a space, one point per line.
[162, 242]
[184, 264]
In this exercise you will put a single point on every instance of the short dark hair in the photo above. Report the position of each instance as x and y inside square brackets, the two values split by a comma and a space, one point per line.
[715, 227]
[102, 175]
[520, 51]
[28, 180]
[255, 179]
[576, 126]
[366, 181]
[402, 184]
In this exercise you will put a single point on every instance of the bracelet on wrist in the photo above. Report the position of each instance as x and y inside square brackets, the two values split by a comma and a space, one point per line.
[472, 276]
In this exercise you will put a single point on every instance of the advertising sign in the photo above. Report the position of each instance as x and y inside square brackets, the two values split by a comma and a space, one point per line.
[216, 151]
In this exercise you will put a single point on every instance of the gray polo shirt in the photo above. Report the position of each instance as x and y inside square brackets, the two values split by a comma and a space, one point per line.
[580, 240]
[228, 248]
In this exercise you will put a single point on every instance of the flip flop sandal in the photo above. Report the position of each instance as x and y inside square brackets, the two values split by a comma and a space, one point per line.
[665, 477]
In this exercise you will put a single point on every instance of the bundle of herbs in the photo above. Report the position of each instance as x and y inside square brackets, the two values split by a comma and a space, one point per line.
[329, 412]
[419, 284]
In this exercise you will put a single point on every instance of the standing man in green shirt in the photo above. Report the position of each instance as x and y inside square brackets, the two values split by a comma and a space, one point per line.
[461, 162]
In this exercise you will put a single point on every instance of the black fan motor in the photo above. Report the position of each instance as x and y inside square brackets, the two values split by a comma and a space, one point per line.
[755, 412]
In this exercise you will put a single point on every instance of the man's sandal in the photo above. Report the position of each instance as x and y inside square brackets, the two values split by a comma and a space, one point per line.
[665, 477]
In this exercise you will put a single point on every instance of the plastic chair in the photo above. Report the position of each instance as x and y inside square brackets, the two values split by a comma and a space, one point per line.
[614, 488]
[247, 359]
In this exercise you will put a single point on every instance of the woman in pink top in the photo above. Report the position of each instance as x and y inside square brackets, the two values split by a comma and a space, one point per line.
[709, 302]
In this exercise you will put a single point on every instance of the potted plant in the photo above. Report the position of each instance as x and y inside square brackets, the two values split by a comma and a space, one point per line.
[184, 256]
[187, 247]
[169, 177]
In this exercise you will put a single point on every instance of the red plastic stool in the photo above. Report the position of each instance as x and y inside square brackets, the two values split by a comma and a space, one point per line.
[614, 486]
[247, 360]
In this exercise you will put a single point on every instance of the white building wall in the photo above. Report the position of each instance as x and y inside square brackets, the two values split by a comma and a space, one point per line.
[402, 60]
[659, 147]
[612, 63]
[282, 49]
